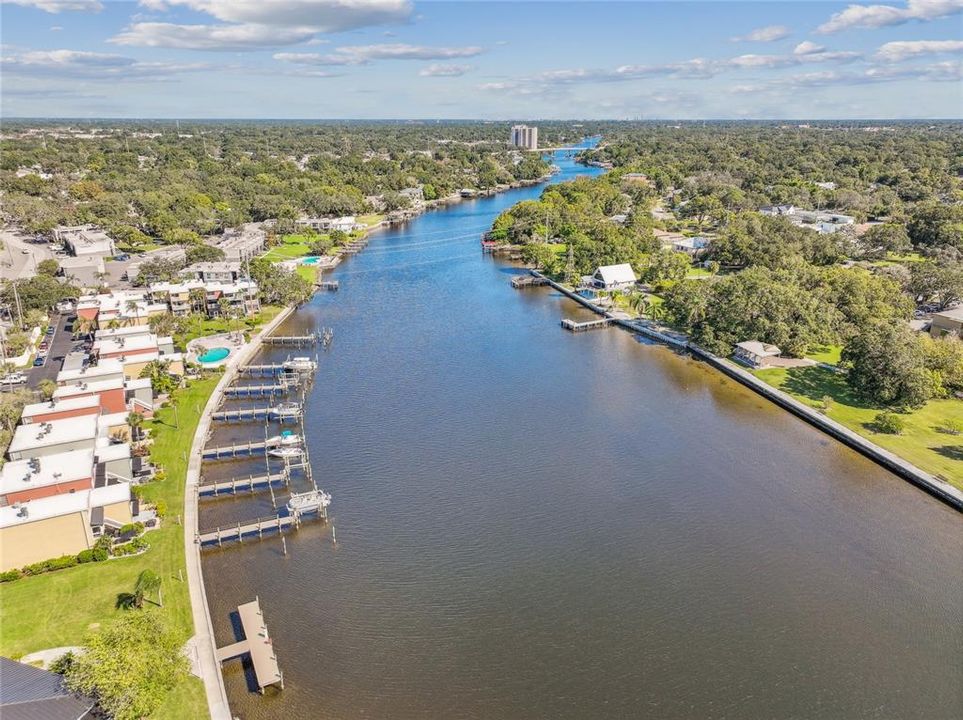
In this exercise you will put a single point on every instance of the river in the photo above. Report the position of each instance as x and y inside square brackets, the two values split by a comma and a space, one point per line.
[535, 524]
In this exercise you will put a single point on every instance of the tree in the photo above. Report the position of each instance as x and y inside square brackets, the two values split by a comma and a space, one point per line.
[48, 267]
[882, 239]
[886, 365]
[941, 283]
[161, 380]
[136, 422]
[204, 253]
[936, 224]
[540, 255]
[47, 387]
[129, 666]
[666, 266]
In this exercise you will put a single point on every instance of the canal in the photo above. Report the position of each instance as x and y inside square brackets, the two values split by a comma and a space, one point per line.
[535, 524]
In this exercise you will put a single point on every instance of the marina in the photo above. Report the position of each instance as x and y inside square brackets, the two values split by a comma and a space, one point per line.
[282, 412]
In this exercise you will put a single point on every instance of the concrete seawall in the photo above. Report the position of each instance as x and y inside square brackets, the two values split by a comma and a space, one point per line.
[895, 464]
[204, 643]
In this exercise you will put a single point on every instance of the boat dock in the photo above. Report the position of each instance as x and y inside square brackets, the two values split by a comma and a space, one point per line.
[330, 285]
[575, 326]
[522, 281]
[285, 412]
[296, 369]
[298, 340]
[355, 246]
[272, 523]
[250, 484]
[249, 449]
[253, 391]
[257, 644]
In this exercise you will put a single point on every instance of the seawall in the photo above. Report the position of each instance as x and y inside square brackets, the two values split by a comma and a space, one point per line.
[204, 644]
[895, 464]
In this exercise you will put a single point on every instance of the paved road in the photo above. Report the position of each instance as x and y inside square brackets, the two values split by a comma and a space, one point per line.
[59, 347]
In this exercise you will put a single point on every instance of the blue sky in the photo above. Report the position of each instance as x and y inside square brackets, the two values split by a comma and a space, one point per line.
[497, 60]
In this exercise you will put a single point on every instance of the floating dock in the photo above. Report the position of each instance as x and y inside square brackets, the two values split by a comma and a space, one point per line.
[522, 281]
[250, 484]
[257, 644]
[574, 326]
[285, 412]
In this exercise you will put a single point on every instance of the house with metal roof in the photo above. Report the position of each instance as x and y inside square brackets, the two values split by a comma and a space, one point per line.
[29, 693]
[613, 277]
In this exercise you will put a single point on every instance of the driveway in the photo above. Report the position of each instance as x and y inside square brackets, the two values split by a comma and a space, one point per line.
[60, 345]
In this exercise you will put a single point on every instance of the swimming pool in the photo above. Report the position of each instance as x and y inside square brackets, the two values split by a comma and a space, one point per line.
[214, 355]
[310, 260]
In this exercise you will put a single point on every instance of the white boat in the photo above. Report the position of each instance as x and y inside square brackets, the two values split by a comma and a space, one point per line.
[286, 451]
[312, 501]
[301, 364]
[285, 438]
[288, 409]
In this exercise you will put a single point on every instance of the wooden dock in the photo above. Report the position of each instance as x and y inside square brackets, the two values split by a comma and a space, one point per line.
[523, 281]
[272, 523]
[253, 391]
[575, 326]
[282, 413]
[298, 340]
[242, 450]
[257, 644]
[250, 484]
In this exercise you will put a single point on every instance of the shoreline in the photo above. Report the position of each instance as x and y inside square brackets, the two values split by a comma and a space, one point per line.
[203, 638]
[904, 469]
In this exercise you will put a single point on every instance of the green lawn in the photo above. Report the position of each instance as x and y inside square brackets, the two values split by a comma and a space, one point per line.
[200, 326]
[828, 354]
[920, 443]
[308, 272]
[370, 220]
[61, 607]
[697, 272]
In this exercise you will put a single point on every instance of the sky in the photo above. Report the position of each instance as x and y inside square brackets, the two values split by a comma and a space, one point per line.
[320, 59]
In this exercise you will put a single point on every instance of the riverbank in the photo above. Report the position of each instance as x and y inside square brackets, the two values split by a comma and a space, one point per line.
[205, 660]
[892, 462]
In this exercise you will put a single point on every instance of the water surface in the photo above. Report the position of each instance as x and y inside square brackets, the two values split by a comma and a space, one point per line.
[535, 524]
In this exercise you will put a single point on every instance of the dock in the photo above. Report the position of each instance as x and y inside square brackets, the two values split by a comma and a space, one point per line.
[285, 412]
[254, 391]
[271, 523]
[523, 281]
[257, 645]
[250, 484]
[575, 326]
[245, 450]
[294, 369]
[298, 340]
[330, 285]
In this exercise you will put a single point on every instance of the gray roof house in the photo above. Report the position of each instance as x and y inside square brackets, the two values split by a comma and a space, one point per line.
[29, 693]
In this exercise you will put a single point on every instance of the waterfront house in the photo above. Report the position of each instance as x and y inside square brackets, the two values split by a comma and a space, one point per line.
[948, 322]
[30, 692]
[33, 478]
[754, 353]
[110, 392]
[614, 277]
[691, 245]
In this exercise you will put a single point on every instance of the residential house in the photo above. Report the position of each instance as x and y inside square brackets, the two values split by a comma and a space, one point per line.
[84, 270]
[613, 277]
[195, 295]
[947, 322]
[173, 254]
[30, 692]
[345, 224]
[109, 369]
[691, 245]
[55, 409]
[110, 391]
[754, 353]
[33, 478]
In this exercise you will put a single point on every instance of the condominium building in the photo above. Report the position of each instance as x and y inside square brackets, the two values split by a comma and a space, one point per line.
[524, 137]
[184, 298]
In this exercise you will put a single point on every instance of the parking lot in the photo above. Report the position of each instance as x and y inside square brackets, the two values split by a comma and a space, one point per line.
[59, 345]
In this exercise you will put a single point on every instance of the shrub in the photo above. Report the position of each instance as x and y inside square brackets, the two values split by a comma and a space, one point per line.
[951, 426]
[160, 507]
[889, 423]
[10, 575]
[135, 527]
[85, 556]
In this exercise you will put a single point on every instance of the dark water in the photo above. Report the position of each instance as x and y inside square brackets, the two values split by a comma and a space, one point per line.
[535, 524]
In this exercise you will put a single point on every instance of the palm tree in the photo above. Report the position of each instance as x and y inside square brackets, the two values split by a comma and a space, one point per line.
[135, 420]
[147, 582]
[133, 305]
[639, 302]
[197, 297]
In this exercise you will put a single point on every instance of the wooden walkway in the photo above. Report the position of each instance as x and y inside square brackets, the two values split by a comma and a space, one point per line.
[298, 340]
[253, 391]
[273, 523]
[242, 450]
[250, 484]
[257, 644]
[282, 413]
[575, 326]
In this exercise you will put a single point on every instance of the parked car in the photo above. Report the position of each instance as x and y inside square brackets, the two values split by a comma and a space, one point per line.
[51, 330]
[38, 362]
[16, 378]
[123, 257]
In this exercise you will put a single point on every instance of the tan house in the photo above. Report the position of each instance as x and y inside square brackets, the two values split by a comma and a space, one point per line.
[948, 322]
[57, 525]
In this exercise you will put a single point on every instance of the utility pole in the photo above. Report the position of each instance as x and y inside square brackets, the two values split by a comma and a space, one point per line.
[570, 266]
[16, 298]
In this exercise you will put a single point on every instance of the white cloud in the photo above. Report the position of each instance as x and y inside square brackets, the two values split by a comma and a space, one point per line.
[438, 70]
[64, 64]
[58, 6]
[902, 49]
[762, 61]
[363, 54]
[770, 33]
[209, 37]
[807, 48]
[875, 16]
[260, 23]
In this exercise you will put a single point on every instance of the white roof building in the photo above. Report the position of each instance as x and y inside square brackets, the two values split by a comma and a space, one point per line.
[614, 277]
[50, 438]
[108, 369]
[85, 240]
[31, 474]
[65, 504]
